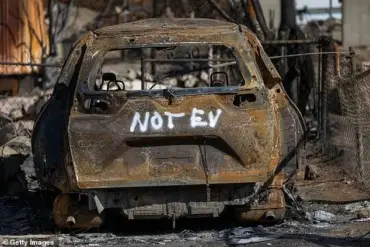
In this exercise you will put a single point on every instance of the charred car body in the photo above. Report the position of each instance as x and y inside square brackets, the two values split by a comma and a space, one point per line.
[228, 140]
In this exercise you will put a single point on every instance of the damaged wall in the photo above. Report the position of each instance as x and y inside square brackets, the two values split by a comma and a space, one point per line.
[356, 16]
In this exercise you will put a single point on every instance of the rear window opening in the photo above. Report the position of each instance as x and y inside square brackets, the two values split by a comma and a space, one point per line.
[192, 66]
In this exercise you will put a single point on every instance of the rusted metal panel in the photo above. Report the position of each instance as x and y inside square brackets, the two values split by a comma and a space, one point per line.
[115, 154]
[23, 35]
[120, 155]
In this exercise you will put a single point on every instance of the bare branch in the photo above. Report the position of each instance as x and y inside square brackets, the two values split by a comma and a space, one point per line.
[102, 14]
[221, 11]
[65, 16]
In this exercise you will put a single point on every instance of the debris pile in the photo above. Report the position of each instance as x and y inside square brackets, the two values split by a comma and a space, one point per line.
[311, 172]
[51, 73]
[17, 216]
[7, 130]
[131, 78]
[323, 216]
[21, 207]
[248, 235]
[22, 107]
[360, 209]
[15, 155]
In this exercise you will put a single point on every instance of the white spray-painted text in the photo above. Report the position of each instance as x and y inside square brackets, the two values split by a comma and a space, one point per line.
[155, 121]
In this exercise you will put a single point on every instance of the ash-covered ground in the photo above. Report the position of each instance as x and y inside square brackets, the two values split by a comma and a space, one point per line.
[333, 210]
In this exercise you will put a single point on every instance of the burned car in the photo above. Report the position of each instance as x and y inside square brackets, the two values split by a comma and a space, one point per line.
[167, 118]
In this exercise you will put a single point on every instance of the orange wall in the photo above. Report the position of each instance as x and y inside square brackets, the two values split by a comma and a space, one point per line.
[23, 35]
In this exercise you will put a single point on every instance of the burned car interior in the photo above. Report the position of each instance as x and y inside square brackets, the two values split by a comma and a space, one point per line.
[213, 65]
[164, 69]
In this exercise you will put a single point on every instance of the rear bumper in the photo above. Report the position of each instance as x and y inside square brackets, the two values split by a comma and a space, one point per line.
[72, 210]
[191, 201]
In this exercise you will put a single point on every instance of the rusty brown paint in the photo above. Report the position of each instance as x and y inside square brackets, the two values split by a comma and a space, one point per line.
[246, 147]
[104, 166]
[274, 204]
[337, 59]
[99, 167]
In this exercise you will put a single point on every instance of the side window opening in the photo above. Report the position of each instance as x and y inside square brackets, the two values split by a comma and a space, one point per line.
[268, 70]
[191, 66]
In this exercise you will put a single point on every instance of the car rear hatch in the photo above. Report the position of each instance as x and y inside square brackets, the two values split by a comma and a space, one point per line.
[190, 139]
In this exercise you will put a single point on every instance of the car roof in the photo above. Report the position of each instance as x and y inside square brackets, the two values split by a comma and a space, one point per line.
[175, 26]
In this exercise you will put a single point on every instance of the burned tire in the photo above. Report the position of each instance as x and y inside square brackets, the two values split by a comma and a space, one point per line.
[72, 211]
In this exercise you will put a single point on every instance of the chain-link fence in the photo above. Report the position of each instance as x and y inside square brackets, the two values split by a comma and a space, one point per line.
[346, 111]
[337, 112]
[25, 106]
[338, 99]
[22, 96]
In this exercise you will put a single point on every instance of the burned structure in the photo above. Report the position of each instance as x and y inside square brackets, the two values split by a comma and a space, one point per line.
[227, 142]
[24, 41]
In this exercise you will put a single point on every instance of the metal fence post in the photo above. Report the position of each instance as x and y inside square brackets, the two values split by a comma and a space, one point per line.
[358, 124]
[324, 94]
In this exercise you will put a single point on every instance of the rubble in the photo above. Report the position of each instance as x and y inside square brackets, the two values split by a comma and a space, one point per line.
[189, 81]
[51, 73]
[363, 213]
[15, 149]
[30, 174]
[132, 75]
[360, 209]
[357, 206]
[23, 128]
[19, 107]
[12, 155]
[19, 145]
[24, 214]
[7, 130]
[311, 172]
[323, 216]
[249, 235]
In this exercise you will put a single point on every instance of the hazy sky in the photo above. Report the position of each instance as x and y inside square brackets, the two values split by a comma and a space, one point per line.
[317, 3]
